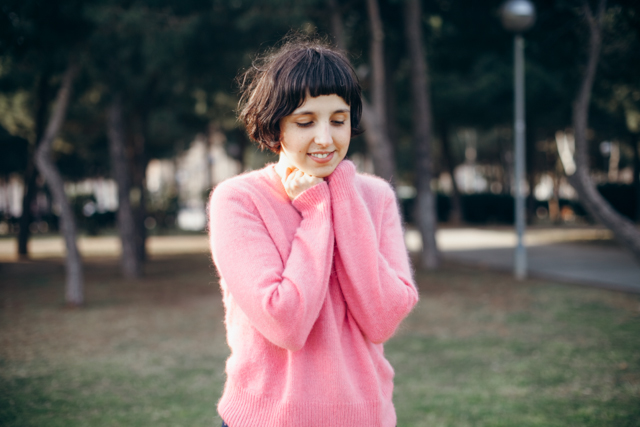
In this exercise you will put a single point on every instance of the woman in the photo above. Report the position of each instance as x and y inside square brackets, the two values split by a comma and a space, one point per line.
[313, 268]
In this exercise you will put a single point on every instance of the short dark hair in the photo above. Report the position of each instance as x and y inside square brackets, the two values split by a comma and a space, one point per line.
[278, 83]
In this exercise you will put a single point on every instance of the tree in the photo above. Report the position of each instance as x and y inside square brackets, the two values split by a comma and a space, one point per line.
[35, 39]
[38, 39]
[131, 262]
[375, 115]
[43, 96]
[422, 129]
[74, 293]
[623, 229]
[138, 54]
[455, 217]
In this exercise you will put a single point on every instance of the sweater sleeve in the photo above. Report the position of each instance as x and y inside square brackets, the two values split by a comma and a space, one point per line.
[373, 268]
[281, 298]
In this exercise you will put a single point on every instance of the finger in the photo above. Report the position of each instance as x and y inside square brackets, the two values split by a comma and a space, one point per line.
[288, 171]
[289, 174]
[296, 175]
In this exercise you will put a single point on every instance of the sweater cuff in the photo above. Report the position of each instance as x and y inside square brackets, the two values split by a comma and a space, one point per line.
[314, 200]
[342, 181]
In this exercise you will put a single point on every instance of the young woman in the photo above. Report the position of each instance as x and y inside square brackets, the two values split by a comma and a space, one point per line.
[313, 268]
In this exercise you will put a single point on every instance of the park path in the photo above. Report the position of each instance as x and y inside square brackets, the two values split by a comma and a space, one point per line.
[583, 255]
[586, 256]
[104, 246]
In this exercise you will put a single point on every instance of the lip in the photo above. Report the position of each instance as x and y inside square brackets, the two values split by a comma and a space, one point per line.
[325, 160]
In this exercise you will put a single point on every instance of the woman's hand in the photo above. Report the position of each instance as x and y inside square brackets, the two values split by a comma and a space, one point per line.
[295, 182]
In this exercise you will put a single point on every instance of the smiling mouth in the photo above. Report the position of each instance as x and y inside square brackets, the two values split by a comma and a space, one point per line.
[320, 155]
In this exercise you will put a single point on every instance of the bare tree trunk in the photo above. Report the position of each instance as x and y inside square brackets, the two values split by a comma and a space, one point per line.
[456, 204]
[31, 174]
[378, 144]
[74, 292]
[636, 175]
[376, 136]
[623, 229]
[26, 218]
[422, 134]
[131, 265]
[375, 115]
[139, 171]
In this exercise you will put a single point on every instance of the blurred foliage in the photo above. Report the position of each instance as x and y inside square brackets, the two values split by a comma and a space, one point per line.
[175, 65]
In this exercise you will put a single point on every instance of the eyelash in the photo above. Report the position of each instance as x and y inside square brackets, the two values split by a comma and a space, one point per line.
[305, 125]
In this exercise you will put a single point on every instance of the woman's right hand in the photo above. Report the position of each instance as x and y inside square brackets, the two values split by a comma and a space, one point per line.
[295, 182]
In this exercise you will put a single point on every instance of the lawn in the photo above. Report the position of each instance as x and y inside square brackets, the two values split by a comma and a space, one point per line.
[479, 350]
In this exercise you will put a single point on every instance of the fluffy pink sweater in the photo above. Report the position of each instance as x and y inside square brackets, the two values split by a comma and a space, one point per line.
[312, 288]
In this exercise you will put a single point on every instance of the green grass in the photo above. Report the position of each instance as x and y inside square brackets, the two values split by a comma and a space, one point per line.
[111, 394]
[479, 350]
[533, 354]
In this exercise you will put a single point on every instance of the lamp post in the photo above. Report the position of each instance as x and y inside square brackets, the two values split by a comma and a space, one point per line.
[519, 16]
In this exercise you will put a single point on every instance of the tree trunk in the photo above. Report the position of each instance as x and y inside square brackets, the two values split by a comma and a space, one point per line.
[74, 292]
[376, 137]
[455, 216]
[139, 172]
[31, 174]
[378, 144]
[374, 115]
[422, 133]
[26, 218]
[636, 175]
[131, 265]
[140, 162]
[623, 229]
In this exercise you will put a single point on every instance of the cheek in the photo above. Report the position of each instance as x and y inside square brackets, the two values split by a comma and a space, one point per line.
[295, 146]
[290, 142]
[345, 137]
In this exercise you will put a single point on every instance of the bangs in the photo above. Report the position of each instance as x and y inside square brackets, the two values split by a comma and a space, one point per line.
[316, 72]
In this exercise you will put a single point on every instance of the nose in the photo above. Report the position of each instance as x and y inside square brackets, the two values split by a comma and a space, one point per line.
[323, 136]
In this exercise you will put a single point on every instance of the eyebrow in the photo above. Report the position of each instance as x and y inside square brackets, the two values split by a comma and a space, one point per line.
[304, 113]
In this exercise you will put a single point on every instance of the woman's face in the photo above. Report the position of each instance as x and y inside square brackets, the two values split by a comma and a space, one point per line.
[315, 137]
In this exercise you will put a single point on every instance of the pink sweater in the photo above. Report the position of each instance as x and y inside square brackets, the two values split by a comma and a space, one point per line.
[312, 288]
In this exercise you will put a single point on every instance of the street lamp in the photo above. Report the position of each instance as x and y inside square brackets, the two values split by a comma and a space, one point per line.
[519, 16]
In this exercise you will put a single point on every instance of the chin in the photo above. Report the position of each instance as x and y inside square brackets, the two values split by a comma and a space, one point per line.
[322, 172]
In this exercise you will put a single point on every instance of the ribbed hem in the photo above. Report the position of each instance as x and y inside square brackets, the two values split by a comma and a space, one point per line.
[315, 200]
[239, 408]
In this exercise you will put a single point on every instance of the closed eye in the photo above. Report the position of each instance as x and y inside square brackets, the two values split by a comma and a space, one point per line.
[304, 125]
[337, 122]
